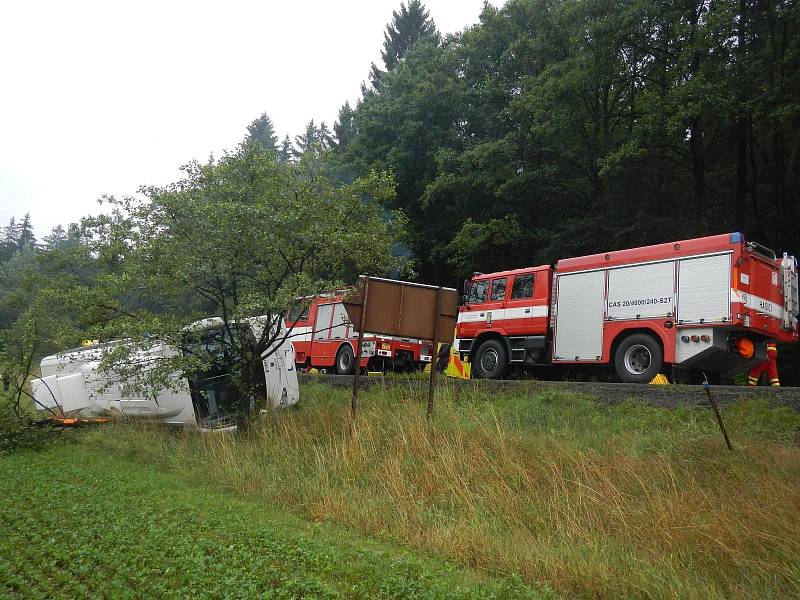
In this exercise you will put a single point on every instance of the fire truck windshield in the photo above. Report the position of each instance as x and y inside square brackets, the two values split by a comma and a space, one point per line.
[297, 312]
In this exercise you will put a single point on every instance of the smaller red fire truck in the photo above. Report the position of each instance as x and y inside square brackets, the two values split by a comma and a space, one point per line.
[324, 339]
[707, 304]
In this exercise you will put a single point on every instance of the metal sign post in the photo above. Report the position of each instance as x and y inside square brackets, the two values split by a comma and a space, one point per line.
[707, 388]
[357, 367]
[403, 309]
[434, 352]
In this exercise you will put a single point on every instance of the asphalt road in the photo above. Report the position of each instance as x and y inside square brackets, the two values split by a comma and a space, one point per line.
[666, 396]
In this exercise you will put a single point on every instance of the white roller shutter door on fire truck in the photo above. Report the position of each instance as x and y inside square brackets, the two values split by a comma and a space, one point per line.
[579, 316]
[704, 285]
[641, 291]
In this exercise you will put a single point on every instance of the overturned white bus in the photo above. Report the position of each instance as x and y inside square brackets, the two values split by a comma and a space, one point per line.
[71, 384]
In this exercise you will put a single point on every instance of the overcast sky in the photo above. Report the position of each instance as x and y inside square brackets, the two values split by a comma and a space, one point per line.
[100, 97]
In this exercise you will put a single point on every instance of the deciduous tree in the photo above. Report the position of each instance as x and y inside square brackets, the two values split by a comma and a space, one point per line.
[236, 238]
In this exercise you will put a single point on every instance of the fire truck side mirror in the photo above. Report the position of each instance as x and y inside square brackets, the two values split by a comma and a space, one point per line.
[465, 296]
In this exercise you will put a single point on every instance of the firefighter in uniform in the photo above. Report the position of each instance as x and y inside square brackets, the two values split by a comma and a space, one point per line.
[770, 366]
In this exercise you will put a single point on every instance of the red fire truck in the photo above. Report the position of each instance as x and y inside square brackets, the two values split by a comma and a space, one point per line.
[324, 339]
[706, 304]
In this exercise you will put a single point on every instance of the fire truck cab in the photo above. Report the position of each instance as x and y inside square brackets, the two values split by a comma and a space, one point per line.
[707, 304]
[324, 339]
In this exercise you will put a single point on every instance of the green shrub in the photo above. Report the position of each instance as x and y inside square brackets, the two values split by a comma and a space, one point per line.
[17, 428]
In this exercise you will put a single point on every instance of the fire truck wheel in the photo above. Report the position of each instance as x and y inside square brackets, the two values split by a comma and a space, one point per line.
[638, 358]
[491, 360]
[345, 361]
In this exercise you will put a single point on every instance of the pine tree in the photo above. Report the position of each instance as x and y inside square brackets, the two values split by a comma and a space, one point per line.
[286, 152]
[304, 141]
[324, 136]
[315, 139]
[9, 243]
[73, 234]
[375, 75]
[345, 127]
[56, 238]
[262, 132]
[408, 28]
[25, 236]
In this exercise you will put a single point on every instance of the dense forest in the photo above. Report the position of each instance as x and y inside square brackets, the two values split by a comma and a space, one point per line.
[556, 128]
[550, 128]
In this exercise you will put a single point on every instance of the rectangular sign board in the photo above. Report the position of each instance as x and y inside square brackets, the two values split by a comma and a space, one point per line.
[403, 309]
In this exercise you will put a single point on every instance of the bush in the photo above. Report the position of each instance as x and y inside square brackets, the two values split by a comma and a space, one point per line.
[17, 429]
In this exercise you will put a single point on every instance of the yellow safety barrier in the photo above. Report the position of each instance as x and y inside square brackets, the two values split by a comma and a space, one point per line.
[455, 366]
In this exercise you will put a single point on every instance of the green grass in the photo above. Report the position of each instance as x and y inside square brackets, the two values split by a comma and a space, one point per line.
[545, 488]
[77, 523]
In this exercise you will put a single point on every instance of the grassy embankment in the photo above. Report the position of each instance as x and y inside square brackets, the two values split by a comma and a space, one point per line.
[628, 501]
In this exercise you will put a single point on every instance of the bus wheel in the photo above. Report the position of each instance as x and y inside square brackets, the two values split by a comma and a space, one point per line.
[491, 360]
[638, 358]
[345, 361]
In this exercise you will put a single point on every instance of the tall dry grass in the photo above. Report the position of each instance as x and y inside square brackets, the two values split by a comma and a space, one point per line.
[629, 501]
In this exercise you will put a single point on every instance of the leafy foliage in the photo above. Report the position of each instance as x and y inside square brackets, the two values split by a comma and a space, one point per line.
[490, 240]
[17, 426]
[66, 514]
[239, 237]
